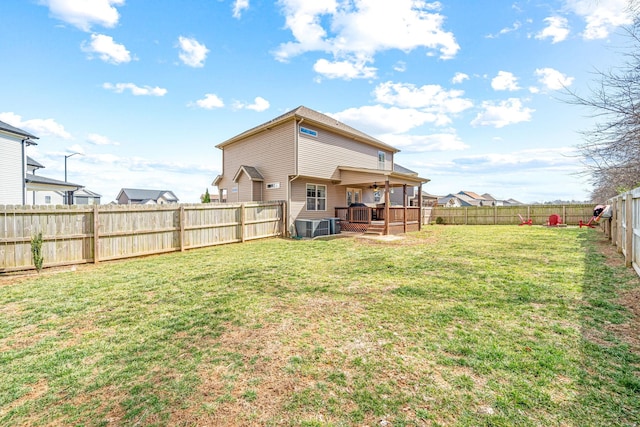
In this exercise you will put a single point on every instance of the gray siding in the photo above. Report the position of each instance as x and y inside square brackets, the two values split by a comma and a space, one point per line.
[11, 172]
[271, 152]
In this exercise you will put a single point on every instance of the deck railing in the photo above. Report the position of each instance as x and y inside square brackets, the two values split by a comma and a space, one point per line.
[365, 214]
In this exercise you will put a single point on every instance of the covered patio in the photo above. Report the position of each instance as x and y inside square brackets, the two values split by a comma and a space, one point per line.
[382, 217]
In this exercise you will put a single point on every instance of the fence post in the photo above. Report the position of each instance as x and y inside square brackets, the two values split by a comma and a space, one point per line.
[628, 244]
[614, 221]
[564, 214]
[495, 215]
[242, 222]
[96, 235]
[182, 219]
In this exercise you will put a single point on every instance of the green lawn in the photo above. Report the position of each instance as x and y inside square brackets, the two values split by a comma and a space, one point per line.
[455, 325]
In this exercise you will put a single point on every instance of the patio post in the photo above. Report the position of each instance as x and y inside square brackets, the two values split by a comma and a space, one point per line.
[387, 202]
[420, 206]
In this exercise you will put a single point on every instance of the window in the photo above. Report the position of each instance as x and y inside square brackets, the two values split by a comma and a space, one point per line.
[380, 159]
[316, 197]
[354, 195]
[47, 200]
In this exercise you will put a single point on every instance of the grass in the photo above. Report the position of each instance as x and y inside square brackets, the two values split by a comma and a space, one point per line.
[468, 326]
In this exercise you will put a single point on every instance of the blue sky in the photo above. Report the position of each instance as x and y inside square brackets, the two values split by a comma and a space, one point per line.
[470, 92]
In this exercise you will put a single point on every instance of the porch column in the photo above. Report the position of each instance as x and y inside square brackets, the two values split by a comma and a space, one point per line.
[387, 202]
[420, 206]
[404, 205]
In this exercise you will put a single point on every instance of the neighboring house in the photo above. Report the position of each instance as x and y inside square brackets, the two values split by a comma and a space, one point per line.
[13, 164]
[48, 191]
[86, 197]
[469, 198]
[320, 167]
[454, 201]
[427, 199]
[137, 196]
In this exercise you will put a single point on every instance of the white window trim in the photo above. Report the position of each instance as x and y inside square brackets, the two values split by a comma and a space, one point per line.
[382, 159]
[316, 198]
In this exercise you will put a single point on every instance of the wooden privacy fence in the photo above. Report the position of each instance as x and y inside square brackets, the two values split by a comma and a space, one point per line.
[76, 235]
[624, 227]
[507, 215]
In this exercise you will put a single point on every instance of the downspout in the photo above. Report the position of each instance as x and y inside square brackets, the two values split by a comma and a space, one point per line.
[24, 173]
[296, 176]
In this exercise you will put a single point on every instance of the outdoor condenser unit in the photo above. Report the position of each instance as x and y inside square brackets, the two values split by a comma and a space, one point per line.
[312, 227]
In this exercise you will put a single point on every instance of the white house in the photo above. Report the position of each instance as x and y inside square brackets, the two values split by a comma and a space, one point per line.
[13, 165]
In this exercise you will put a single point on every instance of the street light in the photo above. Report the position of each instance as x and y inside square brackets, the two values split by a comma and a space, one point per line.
[65, 164]
[69, 193]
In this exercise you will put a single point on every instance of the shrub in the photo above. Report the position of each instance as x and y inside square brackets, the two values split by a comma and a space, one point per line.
[439, 220]
[36, 251]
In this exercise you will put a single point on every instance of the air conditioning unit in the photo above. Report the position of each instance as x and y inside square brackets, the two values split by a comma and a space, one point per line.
[312, 227]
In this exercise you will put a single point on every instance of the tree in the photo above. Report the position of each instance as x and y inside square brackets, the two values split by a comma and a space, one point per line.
[611, 150]
[206, 198]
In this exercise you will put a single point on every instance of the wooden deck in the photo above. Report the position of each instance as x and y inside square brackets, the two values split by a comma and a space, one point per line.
[365, 219]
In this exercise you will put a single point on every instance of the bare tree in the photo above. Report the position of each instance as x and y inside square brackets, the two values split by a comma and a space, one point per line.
[611, 150]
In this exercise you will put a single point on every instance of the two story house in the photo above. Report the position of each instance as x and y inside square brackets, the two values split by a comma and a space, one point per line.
[322, 168]
[13, 164]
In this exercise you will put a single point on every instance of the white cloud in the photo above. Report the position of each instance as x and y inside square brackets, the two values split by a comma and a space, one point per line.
[85, 13]
[239, 6]
[192, 52]
[505, 81]
[502, 113]
[459, 78]
[428, 98]
[344, 69]
[355, 31]
[601, 16]
[96, 139]
[378, 119]
[424, 143]
[515, 27]
[209, 102]
[553, 79]
[259, 104]
[557, 29]
[400, 66]
[135, 90]
[106, 49]
[38, 127]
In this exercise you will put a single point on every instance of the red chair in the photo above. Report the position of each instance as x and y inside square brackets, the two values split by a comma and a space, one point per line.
[590, 223]
[525, 221]
[554, 220]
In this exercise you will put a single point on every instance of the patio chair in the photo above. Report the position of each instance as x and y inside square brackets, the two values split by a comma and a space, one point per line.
[525, 221]
[554, 220]
[590, 223]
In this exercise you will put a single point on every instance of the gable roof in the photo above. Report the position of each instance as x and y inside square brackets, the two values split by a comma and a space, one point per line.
[145, 195]
[34, 163]
[318, 119]
[471, 194]
[252, 173]
[37, 179]
[402, 169]
[445, 200]
[83, 192]
[14, 130]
